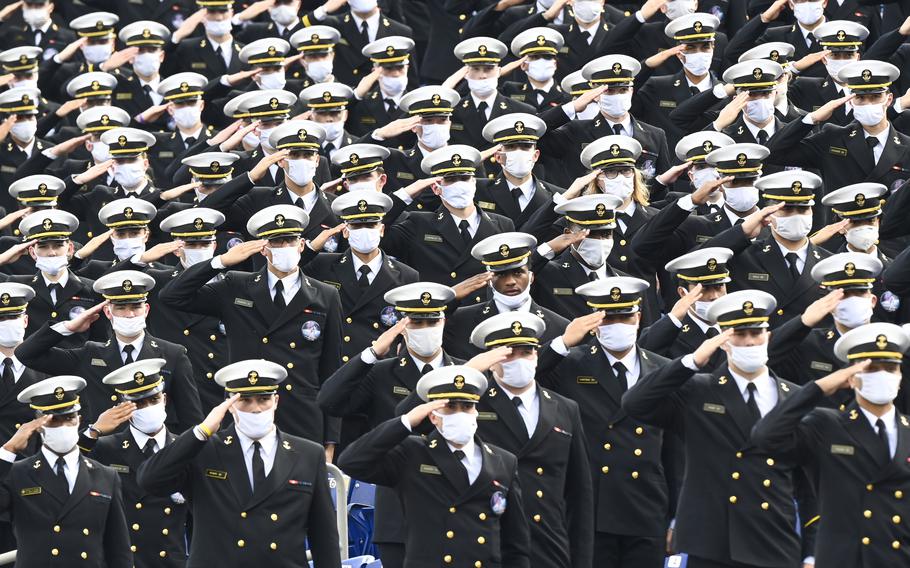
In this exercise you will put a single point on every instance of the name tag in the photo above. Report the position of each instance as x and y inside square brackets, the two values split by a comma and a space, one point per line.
[487, 416]
[819, 366]
[165, 154]
[123, 96]
[120, 468]
[215, 474]
[400, 391]
[456, 126]
[7, 169]
[667, 104]
[842, 450]
[759, 276]
[563, 291]
[335, 284]
[715, 408]
[586, 380]
[404, 175]
[432, 238]
[431, 469]
[837, 151]
[702, 239]
[99, 363]
[343, 41]
[517, 97]
[198, 65]
[487, 205]
[564, 50]
[367, 120]
[28, 491]
[243, 302]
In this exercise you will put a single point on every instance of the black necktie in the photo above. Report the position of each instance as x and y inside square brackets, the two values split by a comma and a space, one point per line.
[516, 195]
[592, 276]
[459, 455]
[540, 95]
[872, 142]
[219, 53]
[792, 257]
[149, 449]
[482, 109]
[762, 137]
[516, 401]
[620, 370]
[189, 141]
[365, 32]
[364, 279]
[279, 295]
[299, 203]
[53, 291]
[752, 403]
[62, 483]
[128, 354]
[329, 148]
[465, 233]
[9, 378]
[426, 369]
[258, 465]
[712, 332]
[390, 105]
[586, 36]
[286, 33]
[617, 129]
[694, 90]
[738, 222]
[148, 90]
[883, 436]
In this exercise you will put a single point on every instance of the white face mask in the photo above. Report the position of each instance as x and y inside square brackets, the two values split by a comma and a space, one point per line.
[251, 139]
[217, 28]
[701, 309]
[273, 80]
[759, 110]
[678, 8]
[320, 69]
[362, 6]
[30, 83]
[483, 88]
[150, 419]
[193, 256]
[147, 64]
[393, 86]
[698, 63]
[129, 175]
[264, 134]
[615, 105]
[424, 341]
[283, 14]
[459, 194]
[853, 311]
[587, 11]
[100, 152]
[187, 117]
[869, 115]
[458, 428]
[255, 425]
[863, 237]
[35, 17]
[703, 176]
[96, 54]
[60, 440]
[302, 171]
[12, 332]
[794, 227]
[541, 70]
[518, 373]
[617, 337]
[434, 136]
[749, 359]
[284, 259]
[589, 112]
[24, 130]
[594, 251]
[128, 327]
[807, 13]
[127, 248]
[741, 199]
[879, 387]
[364, 240]
[333, 130]
[620, 186]
[511, 302]
[52, 265]
[833, 66]
[519, 163]
[363, 186]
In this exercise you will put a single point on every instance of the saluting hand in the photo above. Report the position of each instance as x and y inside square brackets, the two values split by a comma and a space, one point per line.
[483, 361]
[820, 308]
[701, 195]
[418, 414]
[213, 421]
[83, 321]
[112, 418]
[260, 169]
[20, 439]
[241, 252]
[469, 285]
[704, 352]
[384, 342]
[579, 328]
[825, 111]
[828, 231]
[840, 379]
[752, 225]
[683, 304]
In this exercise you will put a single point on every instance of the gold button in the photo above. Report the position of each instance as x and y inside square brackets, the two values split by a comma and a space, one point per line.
[622, 242]
[735, 475]
[265, 339]
[355, 71]
[133, 548]
[89, 234]
[273, 546]
[209, 375]
[608, 446]
[288, 387]
[453, 275]
[290, 365]
[462, 17]
[56, 528]
[733, 499]
[870, 487]
[770, 462]
[634, 475]
[450, 534]
[85, 532]
[539, 471]
[135, 526]
[539, 494]
[482, 516]
[898, 494]
[345, 358]
[18, 426]
[349, 320]
[780, 311]
[639, 430]
[165, 532]
[637, 452]
[167, 510]
[481, 540]
[605, 469]
[138, 506]
[113, 398]
[623, 258]
[53, 314]
[452, 509]
[211, 355]
[766, 483]
[163, 554]
[241, 543]
[867, 513]
[84, 555]
[243, 515]
[293, 345]
[54, 552]
[447, 558]
[274, 517]
[866, 540]
[896, 544]
[478, 564]
[896, 519]
[186, 332]
[739, 455]
[375, 325]
[536, 518]
[764, 506]
[347, 338]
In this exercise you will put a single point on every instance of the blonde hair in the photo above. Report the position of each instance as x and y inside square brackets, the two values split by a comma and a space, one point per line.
[640, 192]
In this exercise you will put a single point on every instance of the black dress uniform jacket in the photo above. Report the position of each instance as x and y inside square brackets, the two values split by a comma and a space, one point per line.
[750, 516]
[486, 519]
[861, 488]
[460, 324]
[468, 121]
[494, 196]
[157, 524]
[11, 157]
[85, 528]
[93, 360]
[13, 413]
[266, 526]
[664, 338]
[52, 41]
[659, 96]
[526, 93]
[198, 55]
[305, 337]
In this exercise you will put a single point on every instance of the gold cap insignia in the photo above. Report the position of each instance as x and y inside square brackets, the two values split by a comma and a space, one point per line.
[482, 50]
[252, 377]
[272, 50]
[519, 127]
[5, 299]
[362, 205]
[390, 50]
[748, 308]
[436, 99]
[516, 328]
[355, 159]
[215, 166]
[615, 294]
[617, 68]
[860, 199]
[95, 85]
[146, 33]
[139, 377]
[127, 285]
[867, 75]
[841, 35]
[279, 220]
[47, 224]
[881, 341]
[504, 251]
[849, 269]
[797, 187]
[757, 73]
[128, 212]
[425, 298]
[327, 96]
[273, 103]
[741, 159]
[301, 134]
[614, 149]
[697, 27]
[456, 160]
[600, 209]
[122, 140]
[105, 120]
[712, 264]
[707, 146]
[775, 55]
[59, 393]
[42, 188]
[459, 382]
[198, 223]
[540, 40]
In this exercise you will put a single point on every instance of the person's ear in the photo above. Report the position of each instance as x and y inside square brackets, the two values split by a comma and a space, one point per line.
[70, 249]
[381, 181]
[345, 232]
[381, 230]
[164, 398]
[107, 312]
[437, 190]
[874, 300]
[530, 278]
[148, 308]
[681, 291]
[32, 253]
[145, 235]
[161, 55]
[535, 155]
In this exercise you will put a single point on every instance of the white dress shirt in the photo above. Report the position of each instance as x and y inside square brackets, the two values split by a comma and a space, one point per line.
[153, 84]
[375, 265]
[527, 192]
[754, 128]
[890, 420]
[529, 409]
[309, 199]
[70, 470]
[801, 253]
[269, 444]
[630, 361]
[489, 100]
[64, 278]
[372, 24]
[472, 460]
[137, 347]
[880, 147]
[18, 367]
[702, 85]
[473, 222]
[629, 210]
[290, 282]
[626, 125]
[765, 391]
[142, 438]
[226, 49]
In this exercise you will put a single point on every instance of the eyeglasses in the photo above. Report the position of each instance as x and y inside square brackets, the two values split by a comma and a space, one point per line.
[613, 173]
